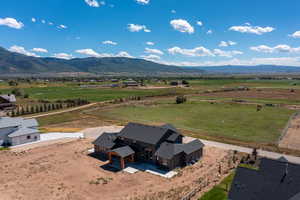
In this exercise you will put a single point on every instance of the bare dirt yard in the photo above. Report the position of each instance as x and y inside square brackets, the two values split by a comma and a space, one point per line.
[66, 172]
[291, 138]
[265, 93]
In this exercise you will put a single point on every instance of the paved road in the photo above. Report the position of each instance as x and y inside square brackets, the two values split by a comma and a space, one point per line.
[62, 111]
[267, 154]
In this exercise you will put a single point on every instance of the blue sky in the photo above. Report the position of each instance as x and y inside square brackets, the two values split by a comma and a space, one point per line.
[190, 32]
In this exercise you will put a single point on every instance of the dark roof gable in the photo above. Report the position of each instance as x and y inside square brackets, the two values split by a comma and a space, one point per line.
[143, 133]
[123, 151]
[106, 140]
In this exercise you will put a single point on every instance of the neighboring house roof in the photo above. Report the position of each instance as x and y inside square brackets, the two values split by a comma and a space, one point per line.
[6, 122]
[169, 150]
[9, 97]
[30, 123]
[23, 131]
[123, 151]
[106, 140]
[143, 133]
[275, 179]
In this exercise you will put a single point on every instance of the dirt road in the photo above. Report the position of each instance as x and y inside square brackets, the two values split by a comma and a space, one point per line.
[291, 137]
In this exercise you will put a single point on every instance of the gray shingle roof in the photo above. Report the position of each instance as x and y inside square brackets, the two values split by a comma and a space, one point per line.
[275, 179]
[106, 140]
[143, 133]
[123, 151]
[23, 131]
[6, 122]
[9, 97]
[169, 150]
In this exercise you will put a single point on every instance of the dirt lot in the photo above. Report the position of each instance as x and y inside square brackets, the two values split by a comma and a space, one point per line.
[291, 139]
[259, 94]
[66, 172]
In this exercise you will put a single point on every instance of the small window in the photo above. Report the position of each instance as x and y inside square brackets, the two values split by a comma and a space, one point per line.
[28, 137]
[35, 137]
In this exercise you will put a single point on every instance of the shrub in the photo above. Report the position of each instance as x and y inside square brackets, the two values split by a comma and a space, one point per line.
[181, 99]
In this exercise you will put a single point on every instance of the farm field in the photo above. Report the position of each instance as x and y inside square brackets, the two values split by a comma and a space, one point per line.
[220, 120]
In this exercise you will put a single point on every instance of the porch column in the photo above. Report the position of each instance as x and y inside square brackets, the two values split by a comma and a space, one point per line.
[110, 157]
[122, 163]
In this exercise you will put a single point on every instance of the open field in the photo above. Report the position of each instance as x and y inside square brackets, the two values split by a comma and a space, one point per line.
[221, 120]
[66, 171]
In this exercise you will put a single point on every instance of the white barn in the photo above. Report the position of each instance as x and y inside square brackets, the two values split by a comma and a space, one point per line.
[16, 131]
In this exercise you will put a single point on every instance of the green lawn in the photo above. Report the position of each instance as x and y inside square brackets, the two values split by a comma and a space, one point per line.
[219, 192]
[91, 94]
[222, 120]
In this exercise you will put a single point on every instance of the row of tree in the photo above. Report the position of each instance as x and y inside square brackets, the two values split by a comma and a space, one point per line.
[46, 107]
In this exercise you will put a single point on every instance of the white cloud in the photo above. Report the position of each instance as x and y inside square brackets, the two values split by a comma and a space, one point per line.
[11, 22]
[62, 26]
[182, 25]
[43, 21]
[226, 44]
[252, 29]
[33, 20]
[282, 48]
[154, 51]
[173, 11]
[50, 23]
[63, 56]
[144, 2]
[123, 54]
[94, 3]
[109, 42]
[199, 23]
[198, 51]
[296, 34]
[21, 50]
[228, 54]
[41, 50]
[88, 52]
[150, 43]
[151, 57]
[209, 32]
[138, 28]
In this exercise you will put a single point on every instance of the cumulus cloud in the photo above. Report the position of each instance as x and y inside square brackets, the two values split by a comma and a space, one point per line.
[173, 11]
[40, 50]
[282, 48]
[123, 54]
[63, 56]
[94, 3]
[209, 32]
[109, 42]
[151, 57]
[33, 20]
[228, 54]
[21, 50]
[252, 29]
[227, 44]
[62, 26]
[196, 52]
[182, 25]
[296, 34]
[150, 43]
[11, 22]
[199, 23]
[154, 51]
[43, 21]
[137, 28]
[92, 53]
[144, 2]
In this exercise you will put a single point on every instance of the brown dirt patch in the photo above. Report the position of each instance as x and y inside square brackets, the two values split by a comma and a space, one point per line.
[259, 94]
[291, 139]
[65, 171]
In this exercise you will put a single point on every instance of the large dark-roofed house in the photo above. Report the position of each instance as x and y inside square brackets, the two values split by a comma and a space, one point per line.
[161, 145]
[275, 180]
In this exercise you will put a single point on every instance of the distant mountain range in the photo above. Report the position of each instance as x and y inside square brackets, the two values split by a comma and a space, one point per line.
[15, 63]
[19, 64]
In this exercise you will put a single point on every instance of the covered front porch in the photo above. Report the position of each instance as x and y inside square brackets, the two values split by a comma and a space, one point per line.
[121, 156]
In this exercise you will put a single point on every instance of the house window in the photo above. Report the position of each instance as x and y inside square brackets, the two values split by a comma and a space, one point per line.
[165, 162]
[28, 137]
[35, 137]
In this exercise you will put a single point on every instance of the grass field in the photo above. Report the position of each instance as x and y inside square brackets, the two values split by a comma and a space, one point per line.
[219, 192]
[219, 120]
[91, 94]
